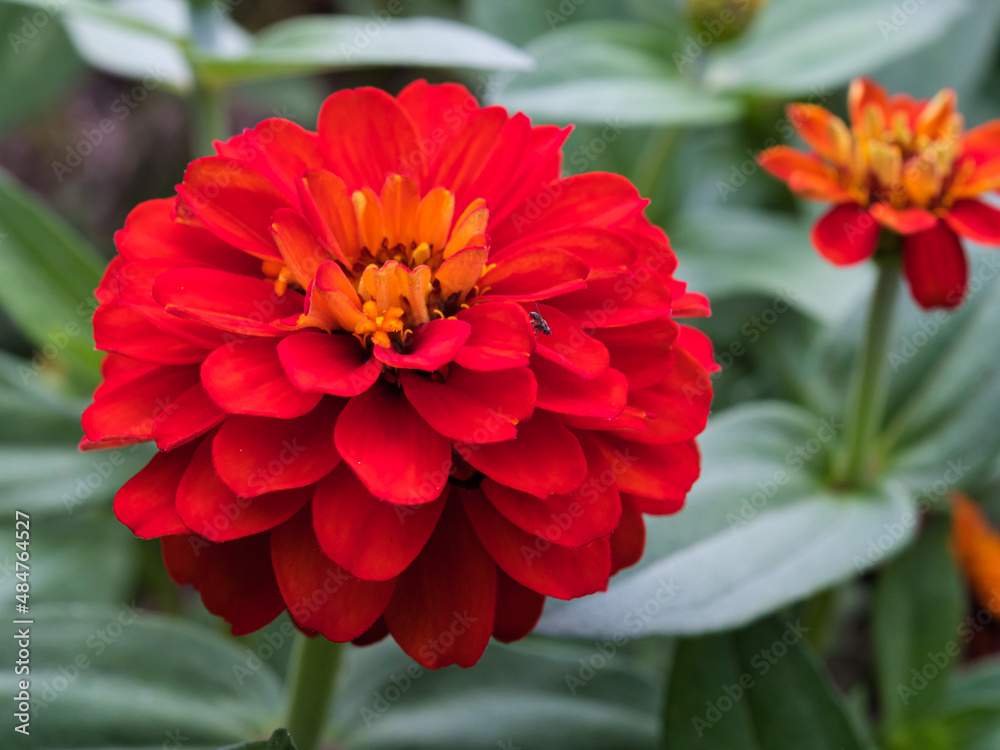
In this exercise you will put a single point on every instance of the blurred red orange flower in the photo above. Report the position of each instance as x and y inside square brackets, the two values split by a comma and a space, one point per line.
[903, 166]
[404, 377]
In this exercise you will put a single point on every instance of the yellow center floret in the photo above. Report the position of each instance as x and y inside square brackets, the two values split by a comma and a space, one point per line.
[400, 260]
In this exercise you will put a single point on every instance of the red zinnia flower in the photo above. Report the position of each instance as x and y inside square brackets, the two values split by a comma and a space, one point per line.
[404, 377]
[905, 166]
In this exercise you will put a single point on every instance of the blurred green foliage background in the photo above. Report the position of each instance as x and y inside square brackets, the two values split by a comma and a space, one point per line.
[102, 104]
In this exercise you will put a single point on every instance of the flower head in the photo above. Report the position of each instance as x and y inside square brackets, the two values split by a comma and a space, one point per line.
[903, 167]
[404, 377]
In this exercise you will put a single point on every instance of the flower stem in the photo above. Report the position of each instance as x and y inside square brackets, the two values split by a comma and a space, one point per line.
[208, 100]
[870, 384]
[311, 677]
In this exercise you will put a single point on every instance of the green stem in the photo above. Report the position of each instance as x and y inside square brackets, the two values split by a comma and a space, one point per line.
[652, 159]
[870, 384]
[208, 100]
[310, 687]
[209, 119]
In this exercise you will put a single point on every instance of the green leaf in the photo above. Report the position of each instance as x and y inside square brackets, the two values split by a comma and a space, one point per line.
[104, 677]
[38, 62]
[919, 608]
[941, 433]
[310, 44]
[759, 531]
[796, 46]
[534, 693]
[280, 740]
[81, 558]
[760, 688]
[727, 251]
[599, 72]
[48, 284]
[138, 39]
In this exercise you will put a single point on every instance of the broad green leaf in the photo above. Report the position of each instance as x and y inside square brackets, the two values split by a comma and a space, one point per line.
[47, 286]
[117, 677]
[86, 557]
[797, 46]
[519, 21]
[633, 101]
[759, 531]
[319, 43]
[597, 73]
[534, 693]
[726, 251]
[120, 46]
[760, 688]
[37, 60]
[919, 608]
[942, 434]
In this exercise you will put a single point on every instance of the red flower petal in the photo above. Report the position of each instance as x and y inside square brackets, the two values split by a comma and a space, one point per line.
[846, 234]
[440, 618]
[397, 455]
[641, 351]
[549, 569]
[367, 136]
[620, 300]
[545, 458]
[235, 578]
[371, 538]
[226, 300]
[212, 510]
[439, 109]
[565, 392]
[594, 199]
[976, 220]
[534, 274]
[123, 331]
[278, 149]
[629, 539]
[299, 247]
[474, 407]
[146, 502]
[678, 406]
[698, 345]
[335, 364]
[518, 609]
[254, 455]
[571, 520]
[132, 406]
[320, 595]
[192, 414]
[151, 233]
[433, 345]
[502, 337]
[936, 268]
[655, 471]
[246, 377]
[804, 173]
[569, 347]
[905, 221]
[236, 203]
